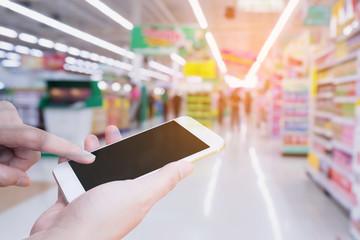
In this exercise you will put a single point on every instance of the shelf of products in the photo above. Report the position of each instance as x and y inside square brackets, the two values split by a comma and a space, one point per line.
[295, 116]
[198, 106]
[335, 144]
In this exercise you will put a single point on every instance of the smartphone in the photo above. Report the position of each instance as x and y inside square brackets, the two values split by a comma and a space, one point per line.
[180, 139]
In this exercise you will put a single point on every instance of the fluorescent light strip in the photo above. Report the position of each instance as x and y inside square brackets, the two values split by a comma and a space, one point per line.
[198, 13]
[2, 54]
[28, 38]
[61, 47]
[46, 43]
[111, 14]
[6, 46]
[272, 37]
[7, 32]
[176, 58]
[153, 74]
[10, 63]
[22, 49]
[216, 52]
[13, 56]
[66, 28]
[36, 53]
[161, 68]
[73, 51]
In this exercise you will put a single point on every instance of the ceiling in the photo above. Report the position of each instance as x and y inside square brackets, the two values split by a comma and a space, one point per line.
[246, 32]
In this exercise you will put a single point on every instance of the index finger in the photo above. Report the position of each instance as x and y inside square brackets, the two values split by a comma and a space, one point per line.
[39, 140]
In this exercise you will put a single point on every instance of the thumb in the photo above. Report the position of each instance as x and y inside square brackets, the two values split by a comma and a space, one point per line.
[13, 176]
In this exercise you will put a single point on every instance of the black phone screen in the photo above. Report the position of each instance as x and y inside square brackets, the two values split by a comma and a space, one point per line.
[138, 155]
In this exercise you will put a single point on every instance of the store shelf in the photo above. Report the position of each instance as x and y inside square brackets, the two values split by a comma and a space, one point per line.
[328, 145]
[323, 114]
[343, 120]
[336, 166]
[326, 51]
[322, 131]
[325, 95]
[342, 147]
[325, 81]
[288, 149]
[346, 79]
[350, 99]
[349, 57]
[340, 195]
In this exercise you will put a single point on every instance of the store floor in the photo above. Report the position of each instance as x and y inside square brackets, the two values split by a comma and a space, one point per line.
[248, 191]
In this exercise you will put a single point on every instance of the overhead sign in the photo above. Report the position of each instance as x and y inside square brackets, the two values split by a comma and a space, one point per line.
[318, 16]
[206, 70]
[238, 63]
[164, 40]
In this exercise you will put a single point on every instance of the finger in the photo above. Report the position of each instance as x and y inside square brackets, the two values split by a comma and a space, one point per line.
[12, 176]
[6, 155]
[24, 158]
[112, 134]
[91, 143]
[160, 183]
[39, 140]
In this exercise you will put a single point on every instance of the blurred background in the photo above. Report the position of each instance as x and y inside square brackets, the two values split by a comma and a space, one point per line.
[278, 79]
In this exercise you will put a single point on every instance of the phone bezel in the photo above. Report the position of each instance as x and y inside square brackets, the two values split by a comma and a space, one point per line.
[71, 187]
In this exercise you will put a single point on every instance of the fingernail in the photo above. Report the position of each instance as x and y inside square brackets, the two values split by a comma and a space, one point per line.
[22, 182]
[89, 156]
[185, 168]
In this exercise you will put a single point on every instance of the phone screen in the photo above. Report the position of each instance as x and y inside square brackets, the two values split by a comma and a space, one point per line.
[138, 155]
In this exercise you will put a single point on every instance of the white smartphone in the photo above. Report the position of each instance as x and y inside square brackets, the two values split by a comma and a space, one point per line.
[180, 139]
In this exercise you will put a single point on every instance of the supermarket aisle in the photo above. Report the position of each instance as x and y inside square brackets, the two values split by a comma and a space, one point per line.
[245, 192]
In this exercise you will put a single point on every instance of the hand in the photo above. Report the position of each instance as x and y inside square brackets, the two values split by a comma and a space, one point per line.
[111, 210]
[20, 147]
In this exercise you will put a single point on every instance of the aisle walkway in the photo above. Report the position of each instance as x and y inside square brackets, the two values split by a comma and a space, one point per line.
[245, 192]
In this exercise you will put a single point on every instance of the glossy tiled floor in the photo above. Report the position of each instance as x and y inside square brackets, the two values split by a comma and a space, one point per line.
[248, 191]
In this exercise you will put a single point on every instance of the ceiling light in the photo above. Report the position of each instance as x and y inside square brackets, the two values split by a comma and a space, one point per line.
[2, 85]
[60, 47]
[73, 51]
[94, 57]
[36, 53]
[2, 54]
[84, 54]
[103, 59]
[46, 43]
[102, 85]
[165, 69]
[116, 86]
[13, 56]
[10, 63]
[6, 46]
[198, 13]
[216, 52]
[22, 49]
[28, 38]
[70, 60]
[153, 74]
[65, 28]
[7, 32]
[127, 87]
[176, 58]
[272, 37]
[110, 61]
[123, 65]
[111, 14]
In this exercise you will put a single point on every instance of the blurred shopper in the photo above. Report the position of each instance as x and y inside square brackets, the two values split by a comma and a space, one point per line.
[135, 96]
[177, 100]
[151, 102]
[119, 206]
[165, 102]
[221, 107]
[235, 101]
[248, 102]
